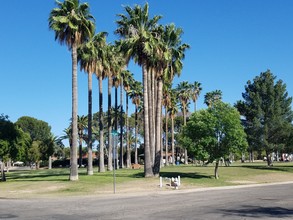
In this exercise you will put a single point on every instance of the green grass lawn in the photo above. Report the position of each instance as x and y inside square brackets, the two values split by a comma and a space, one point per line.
[55, 182]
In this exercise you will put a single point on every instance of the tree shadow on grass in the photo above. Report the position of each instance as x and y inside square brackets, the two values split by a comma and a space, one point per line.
[192, 175]
[272, 168]
[257, 212]
[30, 176]
[176, 174]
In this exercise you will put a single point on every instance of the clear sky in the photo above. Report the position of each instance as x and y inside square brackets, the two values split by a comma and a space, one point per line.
[231, 41]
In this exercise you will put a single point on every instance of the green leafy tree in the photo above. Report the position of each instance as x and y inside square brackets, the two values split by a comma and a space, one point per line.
[8, 136]
[40, 135]
[38, 129]
[73, 25]
[267, 113]
[215, 133]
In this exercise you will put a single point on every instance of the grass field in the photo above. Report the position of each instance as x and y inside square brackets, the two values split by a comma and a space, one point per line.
[54, 182]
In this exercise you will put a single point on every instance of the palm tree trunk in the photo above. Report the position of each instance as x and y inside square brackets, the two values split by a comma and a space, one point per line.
[116, 127]
[157, 163]
[110, 149]
[80, 152]
[73, 154]
[185, 149]
[154, 110]
[150, 114]
[148, 172]
[172, 140]
[90, 144]
[127, 136]
[166, 135]
[135, 143]
[101, 126]
[121, 163]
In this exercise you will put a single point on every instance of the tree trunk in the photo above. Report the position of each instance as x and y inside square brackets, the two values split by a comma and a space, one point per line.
[110, 148]
[80, 152]
[101, 126]
[90, 170]
[157, 163]
[269, 159]
[185, 149]
[216, 169]
[166, 136]
[154, 110]
[50, 163]
[128, 162]
[73, 154]
[172, 140]
[121, 162]
[148, 172]
[135, 143]
[3, 177]
[116, 127]
[150, 120]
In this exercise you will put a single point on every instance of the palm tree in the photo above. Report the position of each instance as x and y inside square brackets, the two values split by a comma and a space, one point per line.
[196, 89]
[89, 56]
[137, 31]
[81, 126]
[166, 104]
[113, 64]
[127, 83]
[184, 94]
[101, 74]
[67, 135]
[173, 109]
[136, 94]
[73, 25]
[211, 97]
[118, 81]
[167, 65]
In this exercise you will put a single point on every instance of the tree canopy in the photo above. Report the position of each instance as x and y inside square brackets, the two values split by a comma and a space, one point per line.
[267, 113]
[215, 133]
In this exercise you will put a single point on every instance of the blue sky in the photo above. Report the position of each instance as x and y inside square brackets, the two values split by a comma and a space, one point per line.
[231, 41]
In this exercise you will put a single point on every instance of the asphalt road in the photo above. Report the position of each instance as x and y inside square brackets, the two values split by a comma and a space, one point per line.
[274, 201]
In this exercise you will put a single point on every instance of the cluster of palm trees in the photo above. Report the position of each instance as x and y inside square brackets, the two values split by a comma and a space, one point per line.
[156, 48]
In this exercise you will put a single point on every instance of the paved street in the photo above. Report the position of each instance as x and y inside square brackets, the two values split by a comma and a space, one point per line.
[274, 201]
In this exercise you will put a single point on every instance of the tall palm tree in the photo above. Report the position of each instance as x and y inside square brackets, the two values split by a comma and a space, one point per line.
[81, 127]
[137, 31]
[73, 24]
[211, 97]
[167, 65]
[101, 74]
[173, 109]
[184, 94]
[113, 65]
[136, 94]
[166, 104]
[196, 89]
[90, 57]
[118, 81]
[127, 83]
